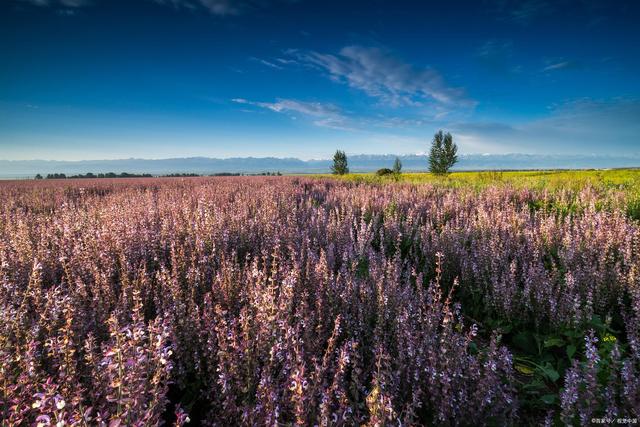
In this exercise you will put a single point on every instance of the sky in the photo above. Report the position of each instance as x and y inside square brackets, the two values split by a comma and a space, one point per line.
[109, 79]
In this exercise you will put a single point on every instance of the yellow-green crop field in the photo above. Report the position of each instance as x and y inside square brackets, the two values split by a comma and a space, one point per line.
[559, 190]
[620, 179]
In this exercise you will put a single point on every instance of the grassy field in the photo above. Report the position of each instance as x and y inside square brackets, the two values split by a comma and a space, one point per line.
[626, 179]
[504, 298]
[559, 189]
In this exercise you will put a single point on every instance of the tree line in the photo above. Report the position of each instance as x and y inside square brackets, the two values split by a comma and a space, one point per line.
[147, 175]
[92, 175]
[442, 156]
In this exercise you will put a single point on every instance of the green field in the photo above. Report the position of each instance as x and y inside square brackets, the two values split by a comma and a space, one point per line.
[558, 190]
[619, 179]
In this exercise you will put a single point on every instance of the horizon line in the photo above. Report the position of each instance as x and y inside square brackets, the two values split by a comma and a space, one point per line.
[625, 155]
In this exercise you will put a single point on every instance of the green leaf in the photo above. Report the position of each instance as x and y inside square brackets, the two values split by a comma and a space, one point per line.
[524, 369]
[506, 329]
[572, 333]
[596, 322]
[571, 350]
[549, 399]
[548, 357]
[550, 372]
[526, 342]
[553, 342]
[535, 386]
[473, 348]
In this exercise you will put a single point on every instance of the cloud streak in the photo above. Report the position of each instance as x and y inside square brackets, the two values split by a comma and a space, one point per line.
[497, 55]
[328, 115]
[561, 65]
[223, 7]
[266, 63]
[522, 12]
[380, 75]
[322, 114]
[582, 126]
[579, 126]
[61, 3]
[215, 7]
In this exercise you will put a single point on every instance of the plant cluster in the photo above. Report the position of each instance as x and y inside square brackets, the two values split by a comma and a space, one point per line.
[270, 301]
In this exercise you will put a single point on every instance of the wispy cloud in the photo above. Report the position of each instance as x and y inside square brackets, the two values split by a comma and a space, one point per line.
[216, 7]
[59, 3]
[381, 75]
[560, 65]
[497, 55]
[579, 126]
[495, 48]
[285, 61]
[223, 7]
[522, 12]
[266, 63]
[328, 115]
[74, 3]
[528, 10]
[321, 114]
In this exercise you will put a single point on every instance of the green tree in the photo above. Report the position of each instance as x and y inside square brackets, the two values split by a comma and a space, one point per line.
[38, 176]
[450, 156]
[397, 166]
[384, 172]
[340, 166]
[435, 154]
[443, 154]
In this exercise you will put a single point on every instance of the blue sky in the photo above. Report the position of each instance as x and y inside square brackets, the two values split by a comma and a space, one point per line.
[100, 79]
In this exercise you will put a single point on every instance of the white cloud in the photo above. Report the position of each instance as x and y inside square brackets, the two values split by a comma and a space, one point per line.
[223, 7]
[266, 63]
[321, 114]
[38, 2]
[522, 12]
[62, 3]
[498, 55]
[216, 7]
[73, 3]
[581, 126]
[495, 49]
[561, 65]
[383, 76]
[330, 116]
[528, 10]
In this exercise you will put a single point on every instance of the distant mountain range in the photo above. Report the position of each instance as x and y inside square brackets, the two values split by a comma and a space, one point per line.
[357, 163]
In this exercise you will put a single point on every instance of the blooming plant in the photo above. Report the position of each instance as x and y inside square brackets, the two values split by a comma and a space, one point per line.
[268, 301]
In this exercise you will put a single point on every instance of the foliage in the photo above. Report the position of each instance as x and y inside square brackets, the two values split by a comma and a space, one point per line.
[340, 166]
[384, 172]
[443, 153]
[397, 166]
[288, 300]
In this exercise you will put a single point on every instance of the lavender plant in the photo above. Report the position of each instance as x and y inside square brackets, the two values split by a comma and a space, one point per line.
[267, 301]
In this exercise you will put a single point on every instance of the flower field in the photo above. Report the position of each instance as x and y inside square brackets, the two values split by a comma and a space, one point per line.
[313, 301]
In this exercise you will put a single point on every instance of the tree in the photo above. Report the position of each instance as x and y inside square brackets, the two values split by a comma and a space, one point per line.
[450, 157]
[397, 166]
[384, 172]
[56, 176]
[443, 154]
[340, 166]
[38, 176]
[435, 154]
